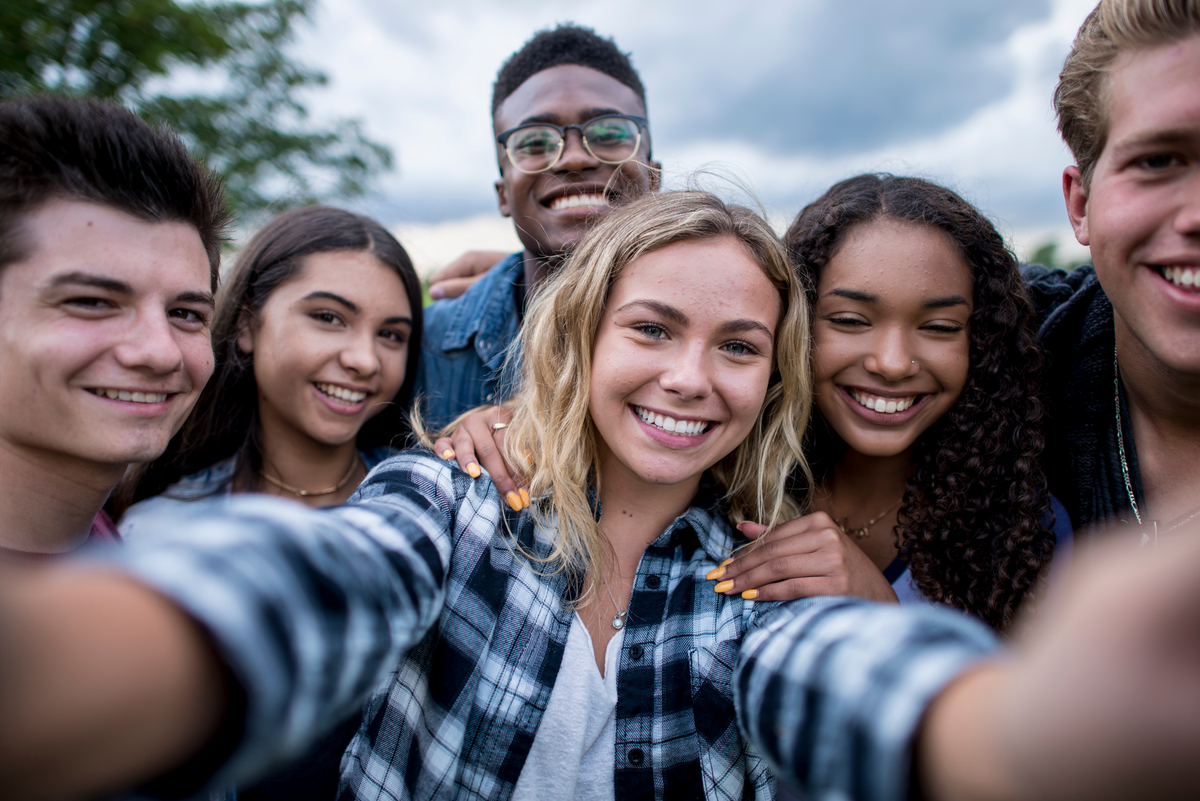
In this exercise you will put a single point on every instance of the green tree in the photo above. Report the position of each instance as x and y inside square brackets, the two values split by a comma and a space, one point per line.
[1047, 255]
[245, 118]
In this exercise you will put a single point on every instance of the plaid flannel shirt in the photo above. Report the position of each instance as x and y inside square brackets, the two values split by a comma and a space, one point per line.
[417, 586]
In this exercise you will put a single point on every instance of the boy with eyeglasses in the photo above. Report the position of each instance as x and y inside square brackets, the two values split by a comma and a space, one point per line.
[572, 141]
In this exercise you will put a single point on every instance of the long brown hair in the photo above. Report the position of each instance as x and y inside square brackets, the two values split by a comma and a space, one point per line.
[225, 420]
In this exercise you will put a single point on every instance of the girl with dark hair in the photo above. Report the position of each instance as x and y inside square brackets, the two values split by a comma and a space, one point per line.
[316, 338]
[926, 439]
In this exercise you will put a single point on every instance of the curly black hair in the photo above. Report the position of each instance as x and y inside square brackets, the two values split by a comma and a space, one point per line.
[971, 522]
[566, 44]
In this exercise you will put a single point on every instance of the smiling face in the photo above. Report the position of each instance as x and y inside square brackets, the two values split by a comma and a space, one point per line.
[891, 347]
[330, 347]
[552, 210]
[1141, 214]
[681, 361]
[104, 335]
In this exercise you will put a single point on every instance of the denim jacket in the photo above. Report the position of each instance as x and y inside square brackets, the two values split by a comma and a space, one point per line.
[466, 341]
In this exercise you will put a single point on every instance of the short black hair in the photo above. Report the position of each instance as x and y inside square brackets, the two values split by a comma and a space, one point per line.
[566, 44]
[100, 152]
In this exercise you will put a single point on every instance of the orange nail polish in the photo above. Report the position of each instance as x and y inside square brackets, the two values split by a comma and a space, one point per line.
[750, 595]
[524, 497]
[447, 454]
[715, 573]
[514, 501]
[724, 586]
[726, 563]
[473, 470]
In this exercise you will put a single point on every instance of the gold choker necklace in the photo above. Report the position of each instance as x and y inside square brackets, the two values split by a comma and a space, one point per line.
[302, 493]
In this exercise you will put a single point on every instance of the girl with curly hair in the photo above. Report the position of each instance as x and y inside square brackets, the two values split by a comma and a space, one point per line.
[925, 441]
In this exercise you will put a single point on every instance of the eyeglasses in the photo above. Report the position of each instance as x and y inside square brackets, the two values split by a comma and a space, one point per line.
[611, 139]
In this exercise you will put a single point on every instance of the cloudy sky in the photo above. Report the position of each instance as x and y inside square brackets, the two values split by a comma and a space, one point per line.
[782, 96]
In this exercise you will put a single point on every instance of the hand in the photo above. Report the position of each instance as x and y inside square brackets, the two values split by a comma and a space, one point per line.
[1101, 699]
[803, 557]
[457, 276]
[475, 442]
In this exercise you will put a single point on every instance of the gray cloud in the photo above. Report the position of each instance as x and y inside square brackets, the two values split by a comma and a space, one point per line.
[830, 78]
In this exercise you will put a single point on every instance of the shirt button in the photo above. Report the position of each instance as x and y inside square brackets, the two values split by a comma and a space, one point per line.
[636, 757]
[483, 343]
[652, 582]
[635, 652]
[489, 396]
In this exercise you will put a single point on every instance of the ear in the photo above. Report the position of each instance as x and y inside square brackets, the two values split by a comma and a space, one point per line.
[655, 175]
[502, 196]
[245, 336]
[1076, 197]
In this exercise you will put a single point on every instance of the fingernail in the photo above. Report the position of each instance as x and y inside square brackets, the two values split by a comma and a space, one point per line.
[750, 595]
[514, 501]
[724, 586]
[473, 470]
[437, 292]
[529, 457]
[447, 454]
[715, 573]
[726, 563]
[524, 496]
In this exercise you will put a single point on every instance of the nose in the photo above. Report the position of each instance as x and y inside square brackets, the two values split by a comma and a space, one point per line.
[150, 345]
[1187, 221]
[359, 356]
[575, 157]
[687, 375]
[892, 356]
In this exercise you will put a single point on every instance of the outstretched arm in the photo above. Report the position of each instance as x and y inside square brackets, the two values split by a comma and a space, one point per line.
[1100, 699]
[305, 611]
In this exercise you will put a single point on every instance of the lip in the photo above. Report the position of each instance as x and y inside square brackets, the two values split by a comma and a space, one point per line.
[139, 408]
[882, 418]
[569, 190]
[337, 406]
[1187, 300]
[668, 439]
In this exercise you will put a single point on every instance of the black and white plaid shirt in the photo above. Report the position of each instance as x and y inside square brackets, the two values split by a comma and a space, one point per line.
[416, 589]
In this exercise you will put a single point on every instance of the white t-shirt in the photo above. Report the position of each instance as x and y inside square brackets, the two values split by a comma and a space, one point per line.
[573, 752]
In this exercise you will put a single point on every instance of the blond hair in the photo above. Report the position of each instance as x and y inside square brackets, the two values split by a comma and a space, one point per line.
[552, 433]
[1113, 27]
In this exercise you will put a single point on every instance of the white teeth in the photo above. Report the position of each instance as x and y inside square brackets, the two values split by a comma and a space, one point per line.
[1186, 277]
[578, 201]
[688, 428]
[131, 396]
[350, 396]
[883, 405]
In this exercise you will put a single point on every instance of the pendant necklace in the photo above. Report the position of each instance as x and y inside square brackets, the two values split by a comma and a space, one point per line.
[618, 622]
[303, 493]
[863, 531]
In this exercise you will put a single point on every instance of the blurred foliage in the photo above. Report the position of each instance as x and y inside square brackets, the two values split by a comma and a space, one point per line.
[1047, 256]
[248, 122]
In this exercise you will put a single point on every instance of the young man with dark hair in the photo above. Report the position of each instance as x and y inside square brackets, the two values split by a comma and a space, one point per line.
[572, 141]
[110, 238]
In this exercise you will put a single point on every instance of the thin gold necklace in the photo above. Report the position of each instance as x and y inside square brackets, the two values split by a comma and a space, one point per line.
[303, 493]
[863, 531]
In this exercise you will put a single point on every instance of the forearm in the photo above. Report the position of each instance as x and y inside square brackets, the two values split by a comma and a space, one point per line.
[833, 690]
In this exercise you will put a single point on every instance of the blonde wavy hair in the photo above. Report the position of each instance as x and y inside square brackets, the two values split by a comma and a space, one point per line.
[552, 433]
[1113, 26]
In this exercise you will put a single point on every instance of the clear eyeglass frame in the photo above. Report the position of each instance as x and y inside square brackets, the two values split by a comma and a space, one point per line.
[505, 140]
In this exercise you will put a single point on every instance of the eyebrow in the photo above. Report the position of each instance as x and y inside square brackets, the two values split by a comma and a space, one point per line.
[321, 295]
[866, 297]
[121, 288]
[737, 326]
[554, 119]
[670, 312]
[1168, 136]
[398, 321]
